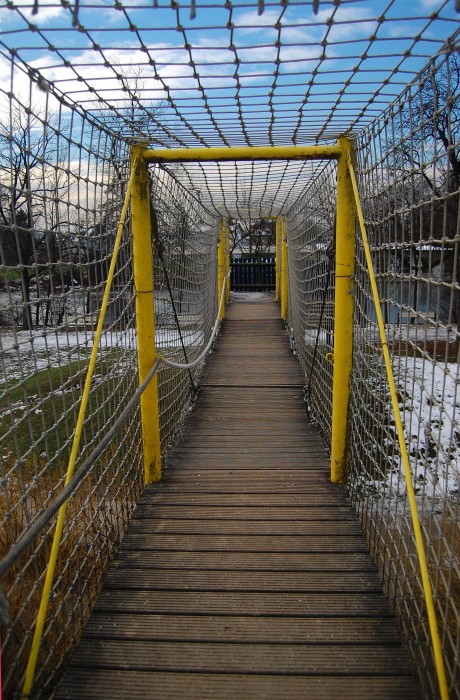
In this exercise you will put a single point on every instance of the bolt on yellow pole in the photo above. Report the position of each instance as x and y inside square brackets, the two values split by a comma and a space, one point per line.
[277, 257]
[221, 267]
[145, 316]
[343, 315]
[284, 279]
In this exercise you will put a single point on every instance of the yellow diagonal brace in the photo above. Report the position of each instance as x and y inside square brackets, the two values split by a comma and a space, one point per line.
[221, 279]
[284, 271]
[277, 257]
[227, 258]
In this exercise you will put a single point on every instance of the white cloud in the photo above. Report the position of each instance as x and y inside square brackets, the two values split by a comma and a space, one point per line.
[250, 22]
[429, 4]
[47, 9]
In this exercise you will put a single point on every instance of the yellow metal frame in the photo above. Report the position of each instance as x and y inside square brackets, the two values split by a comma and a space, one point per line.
[227, 257]
[221, 265]
[277, 258]
[284, 277]
[145, 316]
[343, 315]
[164, 155]
[345, 229]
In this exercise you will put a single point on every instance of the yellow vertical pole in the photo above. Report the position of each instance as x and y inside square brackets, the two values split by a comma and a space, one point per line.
[284, 279]
[221, 267]
[145, 317]
[343, 315]
[227, 257]
[277, 257]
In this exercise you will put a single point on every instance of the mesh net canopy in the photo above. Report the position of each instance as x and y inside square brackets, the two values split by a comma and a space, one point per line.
[81, 83]
[221, 74]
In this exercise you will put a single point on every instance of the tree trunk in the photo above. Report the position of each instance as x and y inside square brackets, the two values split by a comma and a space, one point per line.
[27, 324]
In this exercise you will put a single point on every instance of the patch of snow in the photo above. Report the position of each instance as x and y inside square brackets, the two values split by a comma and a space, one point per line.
[23, 353]
[250, 296]
[429, 404]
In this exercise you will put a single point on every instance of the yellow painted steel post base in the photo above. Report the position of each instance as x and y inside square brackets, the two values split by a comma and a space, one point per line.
[145, 318]
[343, 316]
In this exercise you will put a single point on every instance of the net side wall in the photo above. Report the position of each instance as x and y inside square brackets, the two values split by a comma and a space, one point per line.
[310, 236]
[409, 181]
[62, 185]
[186, 310]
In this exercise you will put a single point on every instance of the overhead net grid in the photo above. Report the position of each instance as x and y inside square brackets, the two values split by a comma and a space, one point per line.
[80, 82]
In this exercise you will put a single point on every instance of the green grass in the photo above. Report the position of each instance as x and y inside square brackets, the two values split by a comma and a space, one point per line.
[9, 275]
[52, 398]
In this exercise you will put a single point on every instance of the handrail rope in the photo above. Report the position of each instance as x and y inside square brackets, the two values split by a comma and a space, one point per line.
[191, 365]
[38, 633]
[433, 625]
[50, 511]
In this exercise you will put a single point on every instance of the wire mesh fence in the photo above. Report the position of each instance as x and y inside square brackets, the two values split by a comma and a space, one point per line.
[62, 186]
[185, 291]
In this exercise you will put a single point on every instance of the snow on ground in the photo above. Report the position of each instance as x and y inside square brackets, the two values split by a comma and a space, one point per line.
[370, 334]
[26, 352]
[250, 296]
[430, 401]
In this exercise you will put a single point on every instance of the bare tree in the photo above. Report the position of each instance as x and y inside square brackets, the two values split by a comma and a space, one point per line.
[24, 140]
[32, 223]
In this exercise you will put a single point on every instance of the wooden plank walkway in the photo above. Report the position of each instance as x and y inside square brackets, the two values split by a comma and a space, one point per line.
[244, 574]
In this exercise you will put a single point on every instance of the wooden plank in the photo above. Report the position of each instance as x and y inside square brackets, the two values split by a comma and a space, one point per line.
[85, 684]
[230, 603]
[242, 528]
[209, 512]
[302, 581]
[244, 561]
[148, 655]
[165, 494]
[242, 543]
[290, 630]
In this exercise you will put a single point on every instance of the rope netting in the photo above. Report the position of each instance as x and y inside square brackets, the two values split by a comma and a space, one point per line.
[80, 82]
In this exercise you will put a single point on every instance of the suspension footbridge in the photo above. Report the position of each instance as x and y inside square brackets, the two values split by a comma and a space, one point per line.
[205, 492]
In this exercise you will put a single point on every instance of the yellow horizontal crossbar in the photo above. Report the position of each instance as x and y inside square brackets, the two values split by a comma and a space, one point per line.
[163, 155]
